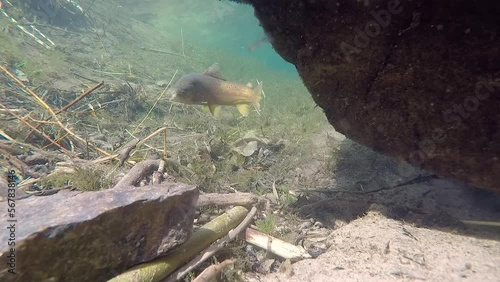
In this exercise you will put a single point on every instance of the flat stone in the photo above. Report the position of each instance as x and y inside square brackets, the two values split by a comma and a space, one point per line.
[93, 236]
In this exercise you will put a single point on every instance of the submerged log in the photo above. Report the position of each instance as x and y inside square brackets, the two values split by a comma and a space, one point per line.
[93, 236]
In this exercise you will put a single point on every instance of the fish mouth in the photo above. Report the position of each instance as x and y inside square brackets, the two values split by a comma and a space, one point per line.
[175, 97]
[172, 95]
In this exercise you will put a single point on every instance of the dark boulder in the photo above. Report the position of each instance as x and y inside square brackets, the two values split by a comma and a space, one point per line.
[416, 80]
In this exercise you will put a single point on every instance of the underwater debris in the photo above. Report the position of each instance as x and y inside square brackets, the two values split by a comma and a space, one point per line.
[249, 144]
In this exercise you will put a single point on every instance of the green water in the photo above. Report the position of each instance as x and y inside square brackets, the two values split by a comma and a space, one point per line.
[220, 25]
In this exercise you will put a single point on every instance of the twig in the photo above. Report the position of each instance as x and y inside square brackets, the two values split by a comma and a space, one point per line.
[275, 192]
[138, 172]
[137, 147]
[90, 90]
[165, 143]
[276, 246]
[81, 76]
[158, 174]
[143, 141]
[182, 41]
[385, 188]
[6, 136]
[38, 99]
[158, 131]
[162, 51]
[49, 109]
[40, 121]
[101, 106]
[211, 272]
[37, 131]
[125, 152]
[105, 159]
[232, 199]
[212, 250]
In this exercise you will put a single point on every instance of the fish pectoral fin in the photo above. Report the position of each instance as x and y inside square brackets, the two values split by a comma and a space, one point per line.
[205, 108]
[243, 109]
[213, 109]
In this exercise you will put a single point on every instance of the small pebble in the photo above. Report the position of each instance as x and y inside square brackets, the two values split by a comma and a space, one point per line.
[316, 252]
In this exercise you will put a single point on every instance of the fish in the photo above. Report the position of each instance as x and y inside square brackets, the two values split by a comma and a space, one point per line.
[212, 91]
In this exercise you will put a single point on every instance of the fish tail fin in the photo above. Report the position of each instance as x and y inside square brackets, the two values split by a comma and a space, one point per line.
[258, 96]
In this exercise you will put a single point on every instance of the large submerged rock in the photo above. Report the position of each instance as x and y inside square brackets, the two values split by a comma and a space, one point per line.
[417, 80]
[93, 236]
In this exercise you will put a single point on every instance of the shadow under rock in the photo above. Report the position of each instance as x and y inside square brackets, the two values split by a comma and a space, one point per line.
[364, 177]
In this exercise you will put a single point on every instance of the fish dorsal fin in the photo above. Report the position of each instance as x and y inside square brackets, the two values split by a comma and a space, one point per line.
[243, 109]
[214, 71]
